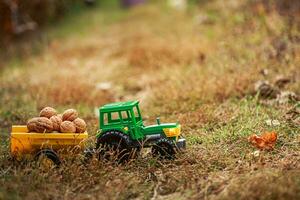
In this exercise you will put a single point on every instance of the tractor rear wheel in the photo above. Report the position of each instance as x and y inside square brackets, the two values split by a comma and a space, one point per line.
[164, 148]
[115, 145]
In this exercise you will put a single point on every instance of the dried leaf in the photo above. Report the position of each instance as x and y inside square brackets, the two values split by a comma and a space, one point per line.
[269, 137]
[266, 141]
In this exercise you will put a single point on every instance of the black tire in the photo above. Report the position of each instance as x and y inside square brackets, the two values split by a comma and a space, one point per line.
[164, 148]
[50, 155]
[115, 145]
[88, 154]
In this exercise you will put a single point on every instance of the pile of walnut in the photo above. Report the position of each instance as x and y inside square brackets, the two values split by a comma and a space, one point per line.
[50, 121]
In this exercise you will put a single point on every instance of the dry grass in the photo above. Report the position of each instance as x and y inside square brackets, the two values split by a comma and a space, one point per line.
[197, 67]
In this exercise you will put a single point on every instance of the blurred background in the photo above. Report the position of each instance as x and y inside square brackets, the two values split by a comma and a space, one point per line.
[23, 19]
[25, 24]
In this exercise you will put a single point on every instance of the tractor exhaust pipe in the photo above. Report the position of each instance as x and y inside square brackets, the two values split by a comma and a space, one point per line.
[158, 120]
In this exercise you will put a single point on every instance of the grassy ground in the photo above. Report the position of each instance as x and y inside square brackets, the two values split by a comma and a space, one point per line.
[197, 67]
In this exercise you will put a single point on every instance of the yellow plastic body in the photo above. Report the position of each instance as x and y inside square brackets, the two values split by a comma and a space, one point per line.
[22, 142]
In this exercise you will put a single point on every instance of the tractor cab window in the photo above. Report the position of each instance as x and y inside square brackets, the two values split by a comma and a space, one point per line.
[113, 117]
[126, 116]
[137, 113]
[105, 118]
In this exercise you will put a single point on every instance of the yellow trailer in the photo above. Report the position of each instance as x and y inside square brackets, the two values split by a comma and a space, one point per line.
[24, 143]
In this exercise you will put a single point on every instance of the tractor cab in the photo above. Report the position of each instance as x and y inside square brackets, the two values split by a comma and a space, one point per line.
[122, 116]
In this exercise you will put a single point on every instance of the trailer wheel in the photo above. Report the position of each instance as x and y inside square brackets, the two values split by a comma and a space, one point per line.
[164, 148]
[115, 145]
[47, 158]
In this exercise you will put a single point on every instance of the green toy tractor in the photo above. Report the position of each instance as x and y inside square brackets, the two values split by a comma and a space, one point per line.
[122, 130]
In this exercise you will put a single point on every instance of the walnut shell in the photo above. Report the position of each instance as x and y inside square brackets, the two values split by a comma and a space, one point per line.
[48, 112]
[31, 124]
[59, 115]
[40, 125]
[69, 115]
[56, 121]
[80, 125]
[67, 127]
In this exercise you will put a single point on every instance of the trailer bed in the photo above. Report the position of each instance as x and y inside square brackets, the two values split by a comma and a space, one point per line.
[24, 142]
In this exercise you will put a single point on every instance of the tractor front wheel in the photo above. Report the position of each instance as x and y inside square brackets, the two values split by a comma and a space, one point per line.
[164, 148]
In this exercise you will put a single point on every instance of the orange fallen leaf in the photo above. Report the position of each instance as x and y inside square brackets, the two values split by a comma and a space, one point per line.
[266, 141]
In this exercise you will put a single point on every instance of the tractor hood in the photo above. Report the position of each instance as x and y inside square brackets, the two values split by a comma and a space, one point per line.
[159, 128]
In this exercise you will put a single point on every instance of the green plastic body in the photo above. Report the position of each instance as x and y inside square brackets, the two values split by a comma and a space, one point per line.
[126, 117]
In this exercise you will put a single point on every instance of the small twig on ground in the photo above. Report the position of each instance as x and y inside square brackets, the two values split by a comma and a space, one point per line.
[155, 192]
[3, 172]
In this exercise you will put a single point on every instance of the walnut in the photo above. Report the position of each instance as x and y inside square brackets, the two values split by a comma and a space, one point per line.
[59, 115]
[31, 124]
[48, 112]
[56, 121]
[67, 127]
[80, 125]
[69, 115]
[40, 125]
